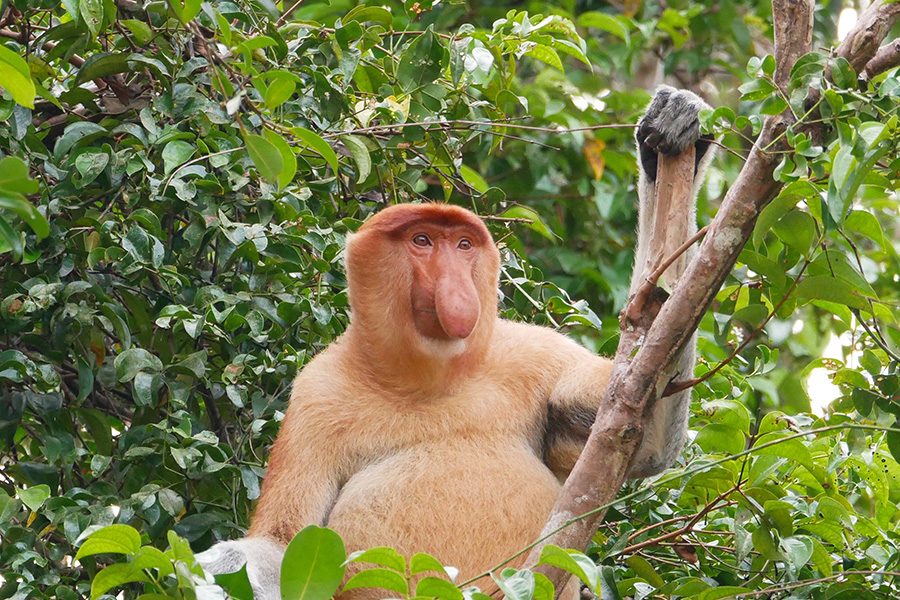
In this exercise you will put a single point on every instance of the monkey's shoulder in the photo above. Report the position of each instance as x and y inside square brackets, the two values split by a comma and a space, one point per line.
[527, 342]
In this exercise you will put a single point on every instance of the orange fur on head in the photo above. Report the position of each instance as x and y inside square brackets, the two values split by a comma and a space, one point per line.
[382, 273]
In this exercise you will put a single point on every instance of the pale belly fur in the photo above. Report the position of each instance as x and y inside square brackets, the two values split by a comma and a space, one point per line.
[470, 503]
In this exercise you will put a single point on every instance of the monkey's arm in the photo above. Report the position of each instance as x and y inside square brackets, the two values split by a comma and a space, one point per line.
[302, 480]
[299, 489]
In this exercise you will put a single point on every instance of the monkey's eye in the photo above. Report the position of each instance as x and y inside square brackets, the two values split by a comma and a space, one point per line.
[464, 244]
[421, 240]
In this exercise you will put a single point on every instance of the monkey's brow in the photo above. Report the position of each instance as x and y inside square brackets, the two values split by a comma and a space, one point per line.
[444, 222]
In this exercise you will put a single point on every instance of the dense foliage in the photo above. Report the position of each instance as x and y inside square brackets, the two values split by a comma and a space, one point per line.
[176, 181]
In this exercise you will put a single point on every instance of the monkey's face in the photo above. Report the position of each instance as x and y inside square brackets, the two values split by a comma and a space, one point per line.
[443, 294]
[423, 272]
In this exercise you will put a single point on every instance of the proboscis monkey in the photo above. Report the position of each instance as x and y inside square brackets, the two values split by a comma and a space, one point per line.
[433, 425]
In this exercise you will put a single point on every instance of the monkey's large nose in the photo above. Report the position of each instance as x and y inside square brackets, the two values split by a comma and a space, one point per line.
[456, 305]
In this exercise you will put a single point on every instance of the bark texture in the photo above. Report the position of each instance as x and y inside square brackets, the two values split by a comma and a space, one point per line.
[863, 41]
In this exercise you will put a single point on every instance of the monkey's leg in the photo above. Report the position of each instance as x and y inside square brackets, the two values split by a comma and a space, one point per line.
[262, 557]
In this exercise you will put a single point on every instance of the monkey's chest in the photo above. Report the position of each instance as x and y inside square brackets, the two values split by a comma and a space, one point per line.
[470, 502]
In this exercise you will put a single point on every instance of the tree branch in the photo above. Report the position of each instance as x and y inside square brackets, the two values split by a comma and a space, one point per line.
[639, 378]
[887, 57]
[873, 24]
[793, 25]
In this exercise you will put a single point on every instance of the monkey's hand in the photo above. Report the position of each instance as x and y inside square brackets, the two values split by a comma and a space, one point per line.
[669, 126]
[262, 557]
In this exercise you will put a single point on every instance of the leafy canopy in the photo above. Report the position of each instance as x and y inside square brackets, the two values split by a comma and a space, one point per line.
[176, 182]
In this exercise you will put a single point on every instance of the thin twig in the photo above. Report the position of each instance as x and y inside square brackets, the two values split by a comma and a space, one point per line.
[636, 306]
[280, 21]
[686, 528]
[451, 122]
[798, 584]
[677, 386]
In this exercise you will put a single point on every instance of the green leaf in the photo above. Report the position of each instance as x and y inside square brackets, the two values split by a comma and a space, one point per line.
[434, 587]
[26, 211]
[193, 364]
[516, 585]
[474, 179]
[14, 176]
[34, 497]
[791, 449]
[360, 154]
[865, 223]
[643, 569]
[533, 219]
[149, 557]
[379, 578]
[112, 539]
[288, 158]
[808, 67]
[728, 412]
[78, 132]
[797, 229]
[422, 62]
[830, 289]
[852, 164]
[143, 247]
[892, 438]
[92, 13]
[175, 154]
[282, 85]
[764, 544]
[185, 11]
[101, 65]
[369, 14]
[236, 584]
[90, 163]
[15, 77]
[719, 437]
[842, 74]
[114, 576]
[605, 22]
[572, 562]
[756, 90]
[313, 565]
[608, 588]
[797, 551]
[312, 140]
[140, 30]
[789, 196]
[10, 240]
[265, 156]
[546, 55]
[134, 360]
[382, 555]
[421, 562]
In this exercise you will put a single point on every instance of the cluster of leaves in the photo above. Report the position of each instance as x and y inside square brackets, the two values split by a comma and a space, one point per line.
[176, 182]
